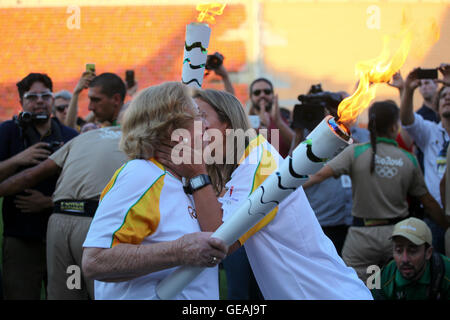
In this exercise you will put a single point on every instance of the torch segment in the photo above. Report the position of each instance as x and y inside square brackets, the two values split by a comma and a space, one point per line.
[195, 54]
[322, 144]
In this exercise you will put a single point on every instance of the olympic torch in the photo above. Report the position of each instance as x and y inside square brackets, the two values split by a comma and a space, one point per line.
[323, 143]
[196, 44]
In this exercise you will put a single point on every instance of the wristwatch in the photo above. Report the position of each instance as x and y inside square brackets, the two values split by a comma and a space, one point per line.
[196, 183]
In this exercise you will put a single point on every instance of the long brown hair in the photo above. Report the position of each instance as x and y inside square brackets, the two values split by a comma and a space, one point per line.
[229, 110]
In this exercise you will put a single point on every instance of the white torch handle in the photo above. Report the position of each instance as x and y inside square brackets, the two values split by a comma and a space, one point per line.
[307, 158]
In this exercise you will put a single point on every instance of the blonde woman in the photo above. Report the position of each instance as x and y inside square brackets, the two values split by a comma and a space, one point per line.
[145, 224]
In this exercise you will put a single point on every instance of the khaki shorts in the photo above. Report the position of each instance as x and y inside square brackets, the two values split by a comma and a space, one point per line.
[367, 246]
[65, 236]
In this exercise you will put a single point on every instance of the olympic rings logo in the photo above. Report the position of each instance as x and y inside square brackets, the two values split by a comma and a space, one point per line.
[386, 172]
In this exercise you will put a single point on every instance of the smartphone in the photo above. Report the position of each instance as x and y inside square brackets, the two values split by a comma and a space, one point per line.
[129, 78]
[255, 121]
[427, 73]
[90, 67]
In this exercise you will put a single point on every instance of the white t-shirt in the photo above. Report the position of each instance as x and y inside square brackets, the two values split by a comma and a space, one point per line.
[144, 204]
[430, 137]
[290, 255]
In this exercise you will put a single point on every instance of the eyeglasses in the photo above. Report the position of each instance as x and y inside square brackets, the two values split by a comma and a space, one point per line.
[257, 92]
[34, 96]
[62, 107]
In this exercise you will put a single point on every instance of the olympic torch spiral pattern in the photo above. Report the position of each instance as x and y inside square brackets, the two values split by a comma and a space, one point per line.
[322, 144]
[195, 54]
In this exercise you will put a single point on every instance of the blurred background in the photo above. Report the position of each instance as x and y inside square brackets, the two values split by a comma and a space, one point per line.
[295, 43]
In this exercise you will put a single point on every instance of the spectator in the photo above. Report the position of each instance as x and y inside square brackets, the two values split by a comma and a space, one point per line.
[265, 104]
[83, 173]
[432, 138]
[428, 90]
[72, 112]
[382, 175]
[417, 271]
[139, 231]
[62, 101]
[24, 144]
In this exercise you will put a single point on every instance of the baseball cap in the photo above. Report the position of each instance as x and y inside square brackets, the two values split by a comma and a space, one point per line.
[413, 229]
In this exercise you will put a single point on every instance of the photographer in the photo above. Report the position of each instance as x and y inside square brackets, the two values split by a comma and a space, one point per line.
[25, 141]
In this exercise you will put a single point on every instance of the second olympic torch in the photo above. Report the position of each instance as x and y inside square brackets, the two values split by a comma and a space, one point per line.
[322, 144]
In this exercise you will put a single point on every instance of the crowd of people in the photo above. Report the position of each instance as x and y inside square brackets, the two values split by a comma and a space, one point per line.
[104, 194]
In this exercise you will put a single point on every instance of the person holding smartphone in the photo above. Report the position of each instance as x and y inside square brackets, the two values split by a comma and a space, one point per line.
[432, 138]
[83, 83]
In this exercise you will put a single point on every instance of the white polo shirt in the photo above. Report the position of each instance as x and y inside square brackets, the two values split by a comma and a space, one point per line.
[430, 137]
[290, 255]
[144, 204]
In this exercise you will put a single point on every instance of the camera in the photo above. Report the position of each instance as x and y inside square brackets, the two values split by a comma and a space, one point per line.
[311, 109]
[25, 118]
[53, 146]
[213, 61]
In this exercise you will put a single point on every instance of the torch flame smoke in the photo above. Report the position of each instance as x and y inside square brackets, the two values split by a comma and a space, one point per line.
[208, 11]
[381, 69]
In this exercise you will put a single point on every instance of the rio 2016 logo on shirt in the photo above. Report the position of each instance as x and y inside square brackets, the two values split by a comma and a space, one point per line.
[386, 167]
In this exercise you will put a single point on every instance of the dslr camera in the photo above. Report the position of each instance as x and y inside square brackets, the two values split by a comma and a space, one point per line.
[53, 146]
[214, 61]
[25, 118]
[311, 109]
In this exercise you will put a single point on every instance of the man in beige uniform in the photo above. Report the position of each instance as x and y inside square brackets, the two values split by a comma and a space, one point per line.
[85, 166]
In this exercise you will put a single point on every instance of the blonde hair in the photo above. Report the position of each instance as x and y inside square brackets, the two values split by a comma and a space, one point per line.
[229, 110]
[152, 117]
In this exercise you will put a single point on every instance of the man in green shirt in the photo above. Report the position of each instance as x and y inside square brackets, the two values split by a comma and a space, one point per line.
[416, 273]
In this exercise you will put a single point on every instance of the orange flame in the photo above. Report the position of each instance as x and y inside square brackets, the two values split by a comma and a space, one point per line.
[381, 69]
[208, 11]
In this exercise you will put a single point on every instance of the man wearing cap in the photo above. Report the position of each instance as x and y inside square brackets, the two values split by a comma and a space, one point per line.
[416, 273]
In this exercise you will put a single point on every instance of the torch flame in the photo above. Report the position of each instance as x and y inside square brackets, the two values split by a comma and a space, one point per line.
[381, 69]
[208, 11]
